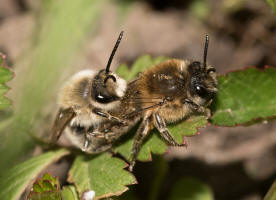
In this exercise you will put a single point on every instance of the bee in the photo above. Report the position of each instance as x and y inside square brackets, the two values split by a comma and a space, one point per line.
[97, 108]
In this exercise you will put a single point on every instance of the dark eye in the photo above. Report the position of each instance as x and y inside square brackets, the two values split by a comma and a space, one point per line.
[102, 98]
[201, 91]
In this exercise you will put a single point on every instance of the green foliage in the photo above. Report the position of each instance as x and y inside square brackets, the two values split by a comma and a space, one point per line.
[69, 193]
[101, 173]
[154, 144]
[61, 32]
[16, 179]
[106, 176]
[272, 4]
[46, 188]
[5, 75]
[138, 66]
[244, 96]
[191, 189]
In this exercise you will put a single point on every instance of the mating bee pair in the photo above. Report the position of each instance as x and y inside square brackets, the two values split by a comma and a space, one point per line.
[98, 107]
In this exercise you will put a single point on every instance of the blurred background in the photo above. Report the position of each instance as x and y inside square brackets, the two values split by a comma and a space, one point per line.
[47, 41]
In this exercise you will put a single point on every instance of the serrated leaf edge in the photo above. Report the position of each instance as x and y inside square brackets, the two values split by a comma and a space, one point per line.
[266, 67]
[31, 179]
[8, 88]
[70, 180]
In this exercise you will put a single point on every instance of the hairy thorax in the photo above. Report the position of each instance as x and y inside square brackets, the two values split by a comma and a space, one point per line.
[174, 111]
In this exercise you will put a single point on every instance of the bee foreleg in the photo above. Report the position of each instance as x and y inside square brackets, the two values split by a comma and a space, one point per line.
[86, 142]
[194, 105]
[106, 115]
[164, 132]
[88, 136]
[140, 135]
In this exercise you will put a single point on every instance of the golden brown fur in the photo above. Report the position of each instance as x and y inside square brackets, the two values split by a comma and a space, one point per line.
[98, 108]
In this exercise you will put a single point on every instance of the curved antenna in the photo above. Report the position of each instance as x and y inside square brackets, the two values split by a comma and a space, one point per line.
[205, 51]
[113, 52]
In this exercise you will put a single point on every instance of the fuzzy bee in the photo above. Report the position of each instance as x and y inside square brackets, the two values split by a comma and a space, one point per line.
[97, 108]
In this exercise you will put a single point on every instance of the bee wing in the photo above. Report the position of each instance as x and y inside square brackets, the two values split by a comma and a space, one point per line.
[151, 102]
[63, 117]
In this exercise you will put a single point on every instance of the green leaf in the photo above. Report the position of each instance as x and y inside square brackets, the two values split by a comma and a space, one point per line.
[191, 189]
[46, 188]
[123, 71]
[153, 143]
[272, 4]
[271, 194]
[52, 195]
[244, 96]
[5, 75]
[69, 193]
[101, 173]
[61, 31]
[15, 180]
[139, 65]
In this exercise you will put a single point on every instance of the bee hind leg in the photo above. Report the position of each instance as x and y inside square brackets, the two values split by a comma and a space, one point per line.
[160, 124]
[142, 131]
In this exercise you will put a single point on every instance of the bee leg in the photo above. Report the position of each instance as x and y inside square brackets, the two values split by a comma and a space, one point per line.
[87, 142]
[195, 106]
[140, 135]
[106, 115]
[97, 134]
[63, 118]
[87, 138]
[98, 148]
[108, 136]
[164, 132]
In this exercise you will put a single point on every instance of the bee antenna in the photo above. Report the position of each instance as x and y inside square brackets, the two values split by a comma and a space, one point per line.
[113, 52]
[205, 51]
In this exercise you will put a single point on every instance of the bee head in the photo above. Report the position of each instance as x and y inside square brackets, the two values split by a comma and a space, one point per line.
[107, 86]
[203, 82]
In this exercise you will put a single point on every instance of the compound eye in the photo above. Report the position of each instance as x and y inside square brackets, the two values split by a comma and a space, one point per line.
[201, 91]
[101, 98]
